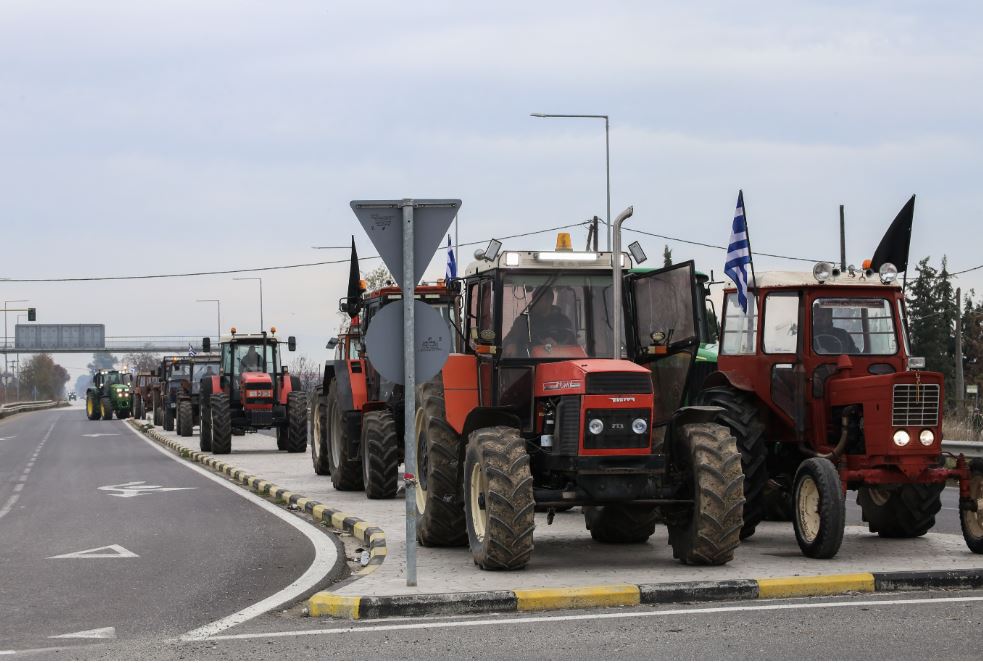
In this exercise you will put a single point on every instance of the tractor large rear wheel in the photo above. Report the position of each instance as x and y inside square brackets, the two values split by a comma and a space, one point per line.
[92, 407]
[158, 415]
[707, 532]
[205, 431]
[901, 513]
[621, 523]
[499, 505]
[346, 472]
[820, 510]
[971, 519]
[221, 424]
[185, 419]
[138, 408]
[741, 416]
[296, 422]
[380, 455]
[105, 409]
[319, 435]
[439, 500]
[168, 415]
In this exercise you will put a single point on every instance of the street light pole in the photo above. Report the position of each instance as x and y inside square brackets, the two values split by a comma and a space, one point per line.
[255, 278]
[17, 355]
[218, 307]
[5, 366]
[607, 156]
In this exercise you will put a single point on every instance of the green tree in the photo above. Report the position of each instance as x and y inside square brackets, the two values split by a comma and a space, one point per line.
[972, 324]
[44, 378]
[667, 256]
[932, 311]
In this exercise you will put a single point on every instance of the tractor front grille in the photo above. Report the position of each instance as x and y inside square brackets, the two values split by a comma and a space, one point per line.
[619, 383]
[915, 405]
[567, 426]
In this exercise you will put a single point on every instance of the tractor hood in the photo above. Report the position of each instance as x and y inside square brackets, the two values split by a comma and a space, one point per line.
[591, 376]
[253, 377]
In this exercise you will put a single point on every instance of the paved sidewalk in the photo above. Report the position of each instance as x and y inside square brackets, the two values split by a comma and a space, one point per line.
[565, 554]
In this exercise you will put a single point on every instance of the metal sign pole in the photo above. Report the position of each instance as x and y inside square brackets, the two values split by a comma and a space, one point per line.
[409, 392]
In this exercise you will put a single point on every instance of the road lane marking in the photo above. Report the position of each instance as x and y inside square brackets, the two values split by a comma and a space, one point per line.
[18, 487]
[570, 618]
[325, 553]
[100, 434]
[117, 551]
[96, 633]
[9, 505]
[137, 488]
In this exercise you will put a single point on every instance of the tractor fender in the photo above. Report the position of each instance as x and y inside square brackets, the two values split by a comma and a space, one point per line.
[288, 383]
[484, 417]
[733, 379]
[460, 379]
[350, 383]
[690, 414]
[211, 385]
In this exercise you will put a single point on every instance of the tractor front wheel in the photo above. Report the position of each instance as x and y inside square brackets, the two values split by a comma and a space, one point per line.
[296, 422]
[185, 419]
[707, 532]
[820, 509]
[499, 506]
[346, 472]
[902, 513]
[138, 408]
[91, 408]
[972, 520]
[106, 409]
[439, 496]
[380, 455]
[319, 441]
[168, 415]
[221, 424]
[621, 523]
[205, 431]
[158, 415]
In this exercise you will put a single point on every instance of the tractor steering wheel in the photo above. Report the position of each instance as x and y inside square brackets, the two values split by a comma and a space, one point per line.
[838, 349]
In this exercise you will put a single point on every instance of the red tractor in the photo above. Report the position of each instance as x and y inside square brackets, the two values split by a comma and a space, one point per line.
[816, 383]
[540, 411]
[252, 391]
[357, 415]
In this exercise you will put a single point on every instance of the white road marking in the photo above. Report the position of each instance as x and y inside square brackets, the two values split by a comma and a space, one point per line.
[9, 505]
[23, 477]
[749, 607]
[100, 434]
[96, 633]
[116, 551]
[10, 437]
[18, 487]
[137, 488]
[325, 554]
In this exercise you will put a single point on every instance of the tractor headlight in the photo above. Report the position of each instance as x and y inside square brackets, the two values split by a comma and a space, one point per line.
[822, 271]
[639, 426]
[596, 426]
[888, 273]
[926, 437]
[901, 438]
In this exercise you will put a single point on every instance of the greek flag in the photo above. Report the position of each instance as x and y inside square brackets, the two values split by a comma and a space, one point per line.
[451, 272]
[191, 351]
[739, 253]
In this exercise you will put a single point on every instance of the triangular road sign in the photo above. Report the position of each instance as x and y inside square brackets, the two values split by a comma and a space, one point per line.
[95, 634]
[383, 223]
[97, 553]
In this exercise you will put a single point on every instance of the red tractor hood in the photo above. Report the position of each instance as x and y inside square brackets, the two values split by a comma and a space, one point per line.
[255, 377]
[569, 377]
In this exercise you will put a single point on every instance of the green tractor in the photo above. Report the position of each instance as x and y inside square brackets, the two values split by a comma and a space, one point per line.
[110, 391]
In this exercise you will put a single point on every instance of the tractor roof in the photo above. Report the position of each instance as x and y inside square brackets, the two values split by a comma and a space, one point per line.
[438, 288]
[548, 261]
[249, 338]
[806, 279]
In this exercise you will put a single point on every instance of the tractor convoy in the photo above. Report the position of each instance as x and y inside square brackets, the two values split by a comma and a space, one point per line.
[580, 379]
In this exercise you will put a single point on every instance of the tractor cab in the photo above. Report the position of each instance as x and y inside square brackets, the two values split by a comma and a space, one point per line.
[250, 368]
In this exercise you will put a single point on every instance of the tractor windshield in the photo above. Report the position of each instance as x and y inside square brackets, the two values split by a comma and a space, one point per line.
[853, 326]
[204, 371]
[179, 371]
[552, 316]
[255, 357]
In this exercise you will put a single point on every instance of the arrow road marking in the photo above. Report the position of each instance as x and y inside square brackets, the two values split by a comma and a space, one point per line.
[4, 439]
[99, 434]
[96, 633]
[135, 488]
[116, 551]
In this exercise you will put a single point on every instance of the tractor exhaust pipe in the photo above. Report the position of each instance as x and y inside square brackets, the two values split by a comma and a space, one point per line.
[618, 324]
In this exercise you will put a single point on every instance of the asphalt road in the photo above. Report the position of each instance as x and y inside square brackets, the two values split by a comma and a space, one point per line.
[179, 558]
[905, 626]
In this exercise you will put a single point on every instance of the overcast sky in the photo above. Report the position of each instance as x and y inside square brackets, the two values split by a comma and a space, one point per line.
[151, 137]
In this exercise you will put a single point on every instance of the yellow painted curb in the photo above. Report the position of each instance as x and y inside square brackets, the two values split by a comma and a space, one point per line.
[359, 529]
[577, 597]
[318, 512]
[780, 588]
[338, 520]
[326, 604]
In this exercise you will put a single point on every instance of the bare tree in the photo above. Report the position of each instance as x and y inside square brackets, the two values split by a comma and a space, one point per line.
[307, 371]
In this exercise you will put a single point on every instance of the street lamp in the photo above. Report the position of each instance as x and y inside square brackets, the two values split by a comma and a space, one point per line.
[17, 360]
[218, 306]
[5, 366]
[255, 278]
[607, 156]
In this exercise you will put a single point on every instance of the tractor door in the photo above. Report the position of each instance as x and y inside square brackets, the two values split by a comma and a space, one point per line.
[781, 350]
[661, 313]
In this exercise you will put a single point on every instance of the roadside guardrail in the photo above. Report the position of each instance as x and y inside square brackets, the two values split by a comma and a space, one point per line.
[969, 449]
[26, 406]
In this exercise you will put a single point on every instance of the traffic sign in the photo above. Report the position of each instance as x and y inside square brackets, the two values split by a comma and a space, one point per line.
[431, 340]
[972, 389]
[383, 223]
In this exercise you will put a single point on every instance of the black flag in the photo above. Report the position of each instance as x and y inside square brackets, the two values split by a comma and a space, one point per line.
[354, 285]
[896, 241]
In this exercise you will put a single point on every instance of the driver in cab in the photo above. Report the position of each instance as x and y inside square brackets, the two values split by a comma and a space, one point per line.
[251, 361]
[540, 324]
[829, 339]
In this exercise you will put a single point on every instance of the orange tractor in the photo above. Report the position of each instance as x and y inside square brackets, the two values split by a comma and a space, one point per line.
[356, 414]
[542, 411]
[817, 384]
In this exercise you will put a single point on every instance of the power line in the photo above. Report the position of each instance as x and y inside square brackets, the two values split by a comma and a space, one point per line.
[718, 246]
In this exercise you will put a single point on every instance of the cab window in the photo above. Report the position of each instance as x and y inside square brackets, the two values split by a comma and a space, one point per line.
[740, 328]
[781, 324]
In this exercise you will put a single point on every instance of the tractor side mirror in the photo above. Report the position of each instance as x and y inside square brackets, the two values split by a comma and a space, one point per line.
[206, 344]
[332, 343]
[291, 343]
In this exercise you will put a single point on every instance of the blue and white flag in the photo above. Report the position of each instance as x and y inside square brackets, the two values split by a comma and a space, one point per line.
[739, 253]
[451, 272]
[191, 350]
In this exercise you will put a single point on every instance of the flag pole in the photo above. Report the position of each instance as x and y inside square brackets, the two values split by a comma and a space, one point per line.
[747, 232]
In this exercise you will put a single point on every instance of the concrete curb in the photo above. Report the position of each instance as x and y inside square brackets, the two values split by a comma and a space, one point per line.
[328, 604]
[371, 536]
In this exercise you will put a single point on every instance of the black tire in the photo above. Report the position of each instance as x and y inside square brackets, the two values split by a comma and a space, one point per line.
[346, 472]
[92, 411]
[621, 523]
[380, 455]
[499, 505]
[221, 424]
[319, 432]
[902, 513]
[168, 416]
[439, 490]
[779, 506]
[820, 509]
[185, 419]
[138, 408]
[740, 414]
[971, 522]
[281, 436]
[105, 409]
[158, 415]
[296, 422]
[707, 532]
[205, 431]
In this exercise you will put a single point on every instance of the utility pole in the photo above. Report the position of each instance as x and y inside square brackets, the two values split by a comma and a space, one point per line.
[842, 241]
[960, 382]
